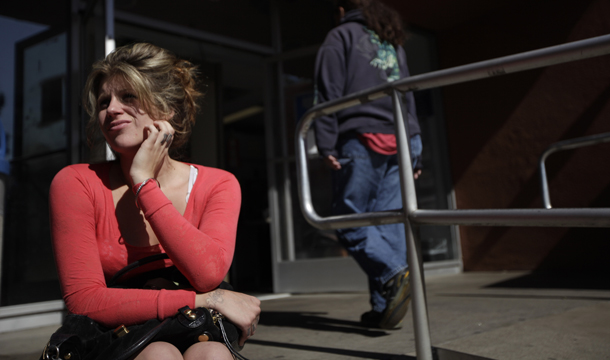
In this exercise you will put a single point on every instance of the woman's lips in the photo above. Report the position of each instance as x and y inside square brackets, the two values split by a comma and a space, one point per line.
[118, 125]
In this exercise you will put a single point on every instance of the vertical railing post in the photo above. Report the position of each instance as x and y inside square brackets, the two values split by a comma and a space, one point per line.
[423, 347]
[109, 46]
[544, 183]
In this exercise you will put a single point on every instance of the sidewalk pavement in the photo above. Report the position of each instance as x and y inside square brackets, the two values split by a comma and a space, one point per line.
[473, 316]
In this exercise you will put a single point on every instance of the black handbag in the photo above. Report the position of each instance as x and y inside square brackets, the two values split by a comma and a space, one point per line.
[81, 338]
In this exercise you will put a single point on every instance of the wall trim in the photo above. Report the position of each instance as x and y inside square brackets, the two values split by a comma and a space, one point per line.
[28, 316]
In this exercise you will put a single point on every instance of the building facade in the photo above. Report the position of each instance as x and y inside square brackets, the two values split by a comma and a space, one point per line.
[481, 139]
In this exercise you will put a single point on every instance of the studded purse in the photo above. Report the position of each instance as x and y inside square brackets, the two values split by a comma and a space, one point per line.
[81, 338]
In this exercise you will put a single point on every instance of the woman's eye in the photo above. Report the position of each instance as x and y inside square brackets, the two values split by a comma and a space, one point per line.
[129, 97]
[103, 104]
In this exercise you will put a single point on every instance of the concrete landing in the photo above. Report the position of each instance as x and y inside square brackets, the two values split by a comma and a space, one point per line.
[473, 316]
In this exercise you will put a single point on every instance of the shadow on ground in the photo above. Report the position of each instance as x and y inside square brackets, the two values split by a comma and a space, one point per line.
[567, 281]
[328, 350]
[437, 353]
[316, 321]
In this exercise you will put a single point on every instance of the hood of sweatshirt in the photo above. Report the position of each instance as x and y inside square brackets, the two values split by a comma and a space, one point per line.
[353, 16]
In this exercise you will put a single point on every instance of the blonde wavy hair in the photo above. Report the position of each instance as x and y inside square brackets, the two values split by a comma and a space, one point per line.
[163, 84]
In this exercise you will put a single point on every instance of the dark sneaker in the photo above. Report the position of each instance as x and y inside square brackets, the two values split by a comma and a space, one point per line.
[372, 319]
[397, 295]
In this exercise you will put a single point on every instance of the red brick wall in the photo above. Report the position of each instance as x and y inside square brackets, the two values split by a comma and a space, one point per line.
[498, 127]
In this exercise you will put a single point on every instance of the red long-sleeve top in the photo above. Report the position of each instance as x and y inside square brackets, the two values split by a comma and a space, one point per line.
[89, 248]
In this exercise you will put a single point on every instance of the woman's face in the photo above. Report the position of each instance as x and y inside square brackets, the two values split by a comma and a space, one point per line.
[121, 117]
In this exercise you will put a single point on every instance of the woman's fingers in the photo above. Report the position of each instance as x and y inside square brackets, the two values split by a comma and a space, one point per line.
[252, 328]
[167, 139]
[254, 325]
[166, 132]
[158, 137]
[249, 328]
[160, 132]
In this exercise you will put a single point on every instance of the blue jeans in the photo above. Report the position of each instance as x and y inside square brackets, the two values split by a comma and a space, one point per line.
[367, 182]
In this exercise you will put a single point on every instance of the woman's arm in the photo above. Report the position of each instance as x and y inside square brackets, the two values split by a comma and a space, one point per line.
[75, 220]
[202, 252]
[329, 76]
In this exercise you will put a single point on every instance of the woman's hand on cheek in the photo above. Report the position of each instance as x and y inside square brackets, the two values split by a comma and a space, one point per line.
[153, 151]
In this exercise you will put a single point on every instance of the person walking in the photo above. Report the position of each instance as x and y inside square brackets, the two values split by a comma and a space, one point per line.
[359, 145]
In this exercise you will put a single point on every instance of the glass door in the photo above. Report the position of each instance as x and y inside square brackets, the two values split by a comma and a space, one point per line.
[40, 150]
[47, 134]
[305, 259]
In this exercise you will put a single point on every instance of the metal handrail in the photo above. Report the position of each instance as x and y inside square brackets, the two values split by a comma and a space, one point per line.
[410, 214]
[565, 145]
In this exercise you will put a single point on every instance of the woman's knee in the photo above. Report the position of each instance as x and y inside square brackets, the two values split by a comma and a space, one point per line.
[207, 350]
[159, 350]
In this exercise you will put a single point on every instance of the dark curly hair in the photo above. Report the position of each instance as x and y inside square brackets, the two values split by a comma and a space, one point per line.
[380, 18]
[164, 84]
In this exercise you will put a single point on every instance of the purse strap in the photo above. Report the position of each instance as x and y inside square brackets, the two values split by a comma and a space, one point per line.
[135, 265]
[236, 355]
